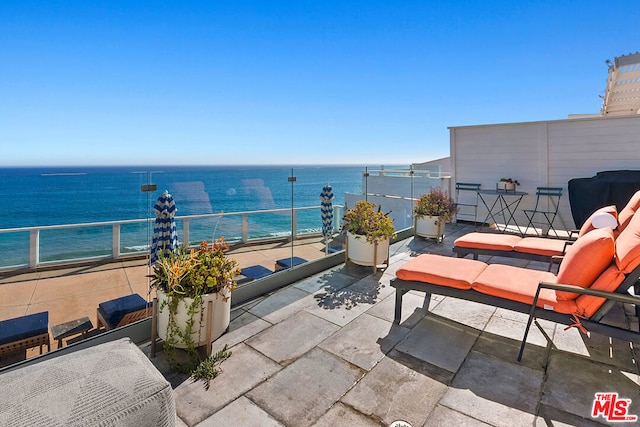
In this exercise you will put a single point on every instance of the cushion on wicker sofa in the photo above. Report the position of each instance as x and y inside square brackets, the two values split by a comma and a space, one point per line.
[109, 384]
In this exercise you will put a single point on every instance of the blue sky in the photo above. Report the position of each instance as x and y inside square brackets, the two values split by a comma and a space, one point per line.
[294, 82]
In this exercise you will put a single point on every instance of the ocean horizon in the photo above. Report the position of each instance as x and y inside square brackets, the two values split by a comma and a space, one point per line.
[59, 195]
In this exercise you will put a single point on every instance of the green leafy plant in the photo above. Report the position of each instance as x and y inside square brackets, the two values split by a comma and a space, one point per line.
[365, 220]
[436, 202]
[193, 273]
[209, 368]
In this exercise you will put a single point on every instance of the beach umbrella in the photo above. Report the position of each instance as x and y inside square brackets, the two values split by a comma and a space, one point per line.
[326, 212]
[165, 236]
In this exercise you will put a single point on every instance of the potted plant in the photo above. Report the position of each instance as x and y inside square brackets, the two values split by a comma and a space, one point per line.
[431, 212]
[368, 233]
[186, 282]
[507, 184]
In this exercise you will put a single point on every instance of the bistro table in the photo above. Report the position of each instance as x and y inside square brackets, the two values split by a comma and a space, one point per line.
[504, 206]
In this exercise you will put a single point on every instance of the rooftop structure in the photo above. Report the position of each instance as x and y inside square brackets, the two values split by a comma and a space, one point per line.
[622, 94]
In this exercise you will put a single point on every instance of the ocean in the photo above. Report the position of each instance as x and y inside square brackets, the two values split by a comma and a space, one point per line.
[42, 196]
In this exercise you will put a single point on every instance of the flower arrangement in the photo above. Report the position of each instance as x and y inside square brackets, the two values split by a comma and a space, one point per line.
[364, 220]
[510, 181]
[436, 202]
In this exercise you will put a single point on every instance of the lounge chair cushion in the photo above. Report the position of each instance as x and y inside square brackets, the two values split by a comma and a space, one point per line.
[440, 270]
[585, 260]
[114, 310]
[540, 246]
[628, 246]
[520, 284]
[608, 281]
[20, 328]
[627, 212]
[588, 224]
[492, 241]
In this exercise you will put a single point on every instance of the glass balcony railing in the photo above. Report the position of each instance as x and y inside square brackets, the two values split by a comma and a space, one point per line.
[63, 215]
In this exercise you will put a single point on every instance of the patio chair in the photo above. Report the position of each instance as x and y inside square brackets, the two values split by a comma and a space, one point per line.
[538, 248]
[467, 186]
[22, 333]
[532, 248]
[122, 311]
[541, 215]
[595, 274]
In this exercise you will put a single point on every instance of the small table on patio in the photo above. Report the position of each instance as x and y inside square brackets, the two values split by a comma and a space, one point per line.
[505, 205]
[73, 327]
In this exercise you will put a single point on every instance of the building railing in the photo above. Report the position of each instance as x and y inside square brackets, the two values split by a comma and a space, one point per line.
[141, 247]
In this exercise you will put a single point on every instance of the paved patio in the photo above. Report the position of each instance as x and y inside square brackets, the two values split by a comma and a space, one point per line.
[324, 352]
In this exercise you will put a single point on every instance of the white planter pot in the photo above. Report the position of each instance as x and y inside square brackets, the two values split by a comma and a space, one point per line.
[506, 186]
[429, 227]
[220, 319]
[361, 252]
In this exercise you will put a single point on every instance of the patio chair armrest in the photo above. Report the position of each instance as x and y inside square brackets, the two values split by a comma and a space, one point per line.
[625, 298]
[566, 245]
[555, 259]
[572, 232]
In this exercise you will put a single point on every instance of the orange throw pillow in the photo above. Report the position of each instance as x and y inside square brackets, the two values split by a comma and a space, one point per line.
[608, 281]
[587, 258]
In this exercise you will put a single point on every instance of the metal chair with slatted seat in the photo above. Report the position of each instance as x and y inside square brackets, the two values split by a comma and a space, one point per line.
[544, 214]
[467, 186]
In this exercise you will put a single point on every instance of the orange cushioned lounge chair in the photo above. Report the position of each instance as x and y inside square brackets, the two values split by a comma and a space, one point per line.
[595, 274]
[536, 248]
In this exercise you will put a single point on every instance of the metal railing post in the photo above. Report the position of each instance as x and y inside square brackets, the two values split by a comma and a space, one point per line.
[115, 240]
[34, 248]
[294, 224]
[185, 231]
[245, 227]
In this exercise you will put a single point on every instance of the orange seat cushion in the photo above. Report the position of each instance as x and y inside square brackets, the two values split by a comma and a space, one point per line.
[514, 283]
[520, 284]
[608, 281]
[442, 270]
[588, 226]
[540, 246]
[628, 246]
[628, 211]
[587, 258]
[492, 241]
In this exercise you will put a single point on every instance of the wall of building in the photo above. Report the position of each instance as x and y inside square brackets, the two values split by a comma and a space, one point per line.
[548, 153]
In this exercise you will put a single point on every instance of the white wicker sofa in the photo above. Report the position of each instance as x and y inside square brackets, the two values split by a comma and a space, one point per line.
[110, 384]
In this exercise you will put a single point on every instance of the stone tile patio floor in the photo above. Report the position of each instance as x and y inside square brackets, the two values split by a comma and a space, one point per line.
[324, 352]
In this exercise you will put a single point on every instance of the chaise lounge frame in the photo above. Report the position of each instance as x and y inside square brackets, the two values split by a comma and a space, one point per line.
[593, 324]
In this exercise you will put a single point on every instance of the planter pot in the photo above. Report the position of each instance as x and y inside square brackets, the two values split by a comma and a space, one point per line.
[506, 186]
[220, 319]
[361, 252]
[430, 227]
